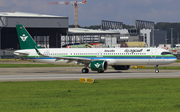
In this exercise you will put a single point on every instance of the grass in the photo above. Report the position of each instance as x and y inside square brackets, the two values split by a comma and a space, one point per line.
[13, 60]
[34, 65]
[122, 95]
[31, 64]
[168, 68]
[51, 65]
[178, 61]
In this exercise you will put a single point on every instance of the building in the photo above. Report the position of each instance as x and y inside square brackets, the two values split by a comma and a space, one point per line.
[143, 35]
[45, 29]
[51, 31]
[159, 37]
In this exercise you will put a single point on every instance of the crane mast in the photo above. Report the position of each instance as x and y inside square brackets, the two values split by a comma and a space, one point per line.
[75, 3]
[76, 16]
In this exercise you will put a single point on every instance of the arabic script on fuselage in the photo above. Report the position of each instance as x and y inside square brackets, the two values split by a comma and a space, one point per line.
[133, 50]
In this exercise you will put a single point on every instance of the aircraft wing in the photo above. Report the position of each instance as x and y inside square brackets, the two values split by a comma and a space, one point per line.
[70, 59]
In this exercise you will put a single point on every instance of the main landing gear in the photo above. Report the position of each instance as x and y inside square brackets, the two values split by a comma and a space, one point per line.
[156, 71]
[85, 70]
[100, 71]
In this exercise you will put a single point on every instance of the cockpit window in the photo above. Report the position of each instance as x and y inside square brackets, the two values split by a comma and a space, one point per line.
[165, 53]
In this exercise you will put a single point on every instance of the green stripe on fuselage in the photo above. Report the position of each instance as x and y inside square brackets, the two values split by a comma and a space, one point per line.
[107, 56]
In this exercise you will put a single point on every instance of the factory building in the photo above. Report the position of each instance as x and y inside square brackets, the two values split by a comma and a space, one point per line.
[45, 29]
[51, 31]
[142, 35]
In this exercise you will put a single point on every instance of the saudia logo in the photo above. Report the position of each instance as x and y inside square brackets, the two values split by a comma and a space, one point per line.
[133, 50]
[97, 65]
[24, 37]
[109, 50]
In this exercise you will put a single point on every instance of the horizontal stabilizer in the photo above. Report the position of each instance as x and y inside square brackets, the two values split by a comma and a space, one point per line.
[21, 53]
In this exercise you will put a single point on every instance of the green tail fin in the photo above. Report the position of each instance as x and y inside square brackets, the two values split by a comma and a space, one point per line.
[25, 39]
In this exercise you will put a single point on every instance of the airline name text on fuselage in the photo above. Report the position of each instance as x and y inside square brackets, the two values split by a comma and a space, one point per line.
[109, 50]
[133, 50]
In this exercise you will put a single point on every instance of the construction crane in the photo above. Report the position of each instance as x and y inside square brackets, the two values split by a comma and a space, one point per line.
[75, 3]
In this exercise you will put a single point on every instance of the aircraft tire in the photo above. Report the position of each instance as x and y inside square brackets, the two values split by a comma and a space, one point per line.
[100, 71]
[156, 71]
[85, 70]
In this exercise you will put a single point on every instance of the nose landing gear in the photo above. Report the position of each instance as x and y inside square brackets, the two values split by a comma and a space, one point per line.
[156, 71]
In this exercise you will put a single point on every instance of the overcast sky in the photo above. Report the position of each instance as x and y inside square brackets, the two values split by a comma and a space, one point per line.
[94, 11]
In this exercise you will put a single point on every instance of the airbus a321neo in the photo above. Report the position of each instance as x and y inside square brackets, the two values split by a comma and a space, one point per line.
[97, 59]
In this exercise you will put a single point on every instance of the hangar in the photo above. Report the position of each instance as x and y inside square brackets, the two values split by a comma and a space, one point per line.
[51, 31]
[45, 29]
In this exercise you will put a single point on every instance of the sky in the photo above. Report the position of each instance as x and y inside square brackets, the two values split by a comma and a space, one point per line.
[94, 11]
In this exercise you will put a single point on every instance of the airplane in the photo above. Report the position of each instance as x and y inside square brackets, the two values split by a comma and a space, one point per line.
[96, 59]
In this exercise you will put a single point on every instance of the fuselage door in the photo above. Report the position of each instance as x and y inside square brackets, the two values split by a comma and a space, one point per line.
[153, 53]
[99, 54]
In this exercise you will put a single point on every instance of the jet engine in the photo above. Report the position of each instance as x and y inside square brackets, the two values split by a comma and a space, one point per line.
[121, 67]
[99, 65]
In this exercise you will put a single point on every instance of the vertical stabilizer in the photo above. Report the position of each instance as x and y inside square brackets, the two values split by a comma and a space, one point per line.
[25, 39]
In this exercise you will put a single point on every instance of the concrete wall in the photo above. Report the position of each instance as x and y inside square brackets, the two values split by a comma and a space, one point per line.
[147, 32]
[159, 37]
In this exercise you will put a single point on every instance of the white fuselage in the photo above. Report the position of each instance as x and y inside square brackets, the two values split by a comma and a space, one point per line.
[114, 56]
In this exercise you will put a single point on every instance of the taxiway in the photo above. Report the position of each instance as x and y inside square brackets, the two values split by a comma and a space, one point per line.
[74, 73]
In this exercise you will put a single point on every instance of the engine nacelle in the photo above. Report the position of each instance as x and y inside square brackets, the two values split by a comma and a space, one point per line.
[99, 65]
[121, 67]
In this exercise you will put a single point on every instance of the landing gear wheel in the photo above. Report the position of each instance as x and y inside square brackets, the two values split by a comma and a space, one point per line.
[156, 71]
[100, 71]
[85, 70]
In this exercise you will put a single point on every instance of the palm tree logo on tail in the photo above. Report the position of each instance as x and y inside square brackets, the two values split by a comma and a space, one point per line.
[24, 37]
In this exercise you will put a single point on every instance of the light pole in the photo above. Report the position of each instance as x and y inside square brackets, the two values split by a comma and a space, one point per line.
[178, 39]
[171, 37]
[165, 38]
[153, 36]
